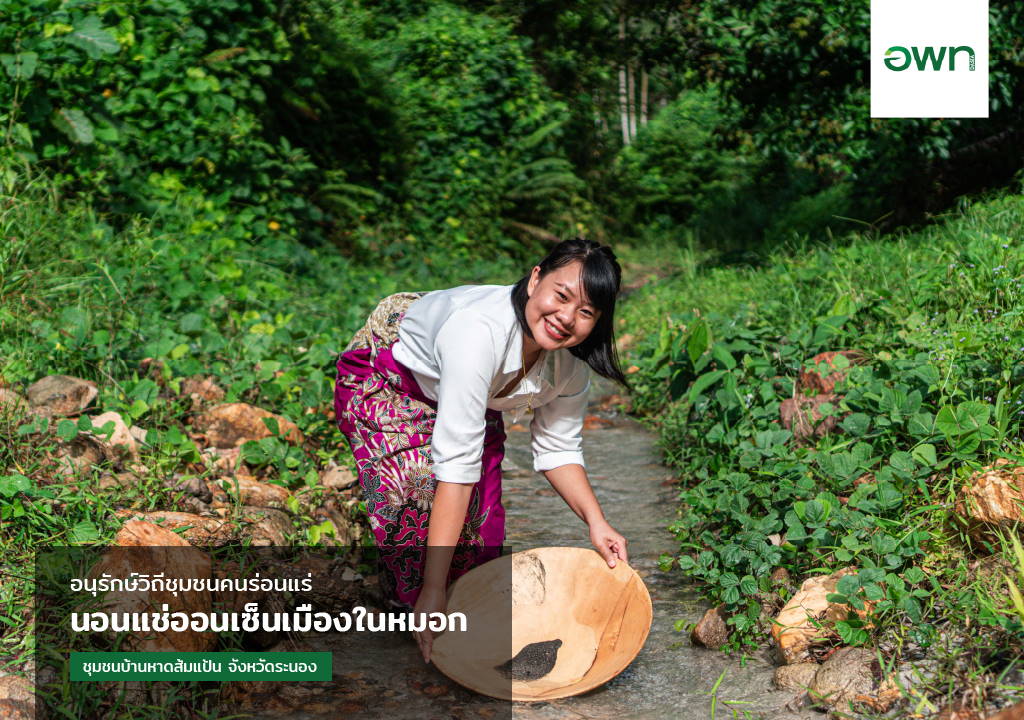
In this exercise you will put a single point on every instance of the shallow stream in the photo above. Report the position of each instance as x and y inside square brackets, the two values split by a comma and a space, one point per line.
[670, 678]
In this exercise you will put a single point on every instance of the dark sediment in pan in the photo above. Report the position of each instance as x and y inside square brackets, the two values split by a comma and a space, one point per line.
[533, 662]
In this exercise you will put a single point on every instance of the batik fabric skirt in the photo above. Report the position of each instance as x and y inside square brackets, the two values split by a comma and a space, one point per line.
[388, 422]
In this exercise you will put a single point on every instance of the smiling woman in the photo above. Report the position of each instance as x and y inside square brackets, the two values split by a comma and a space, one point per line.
[419, 396]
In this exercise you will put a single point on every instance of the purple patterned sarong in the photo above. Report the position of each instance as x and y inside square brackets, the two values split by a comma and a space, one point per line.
[388, 422]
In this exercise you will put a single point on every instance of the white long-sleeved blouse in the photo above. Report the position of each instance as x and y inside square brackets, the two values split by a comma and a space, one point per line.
[463, 345]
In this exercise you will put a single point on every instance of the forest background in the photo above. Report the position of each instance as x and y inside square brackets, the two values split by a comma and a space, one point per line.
[227, 188]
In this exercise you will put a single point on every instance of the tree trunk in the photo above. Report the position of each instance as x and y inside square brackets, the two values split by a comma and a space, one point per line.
[623, 91]
[631, 81]
[643, 97]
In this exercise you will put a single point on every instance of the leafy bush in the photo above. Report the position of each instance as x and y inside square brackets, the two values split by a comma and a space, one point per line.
[676, 166]
[926, 408]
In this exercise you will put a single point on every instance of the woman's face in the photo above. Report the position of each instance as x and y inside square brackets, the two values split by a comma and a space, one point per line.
[557, 312]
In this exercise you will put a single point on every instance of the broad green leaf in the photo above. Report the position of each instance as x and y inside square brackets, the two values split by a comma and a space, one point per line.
[67, 430]
[704, 382]
[966, 417]
[925, 454]
[84, 531]
[90, 35]
[73, 123]
[698, 341]
[21, 66]
[723, 356]
[12, 484]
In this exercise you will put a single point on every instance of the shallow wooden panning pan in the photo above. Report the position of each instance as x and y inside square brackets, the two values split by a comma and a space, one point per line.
[544, 624]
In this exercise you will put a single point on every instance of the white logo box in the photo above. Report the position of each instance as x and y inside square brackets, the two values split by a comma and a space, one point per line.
[929, 92]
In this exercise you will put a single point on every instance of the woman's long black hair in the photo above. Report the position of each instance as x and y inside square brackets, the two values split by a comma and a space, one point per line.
[601, 276]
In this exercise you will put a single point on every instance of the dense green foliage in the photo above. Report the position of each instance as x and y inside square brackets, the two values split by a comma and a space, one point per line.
[925, 409]
[798, 71]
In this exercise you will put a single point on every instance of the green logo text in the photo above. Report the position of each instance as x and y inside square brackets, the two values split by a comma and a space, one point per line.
[902, 57]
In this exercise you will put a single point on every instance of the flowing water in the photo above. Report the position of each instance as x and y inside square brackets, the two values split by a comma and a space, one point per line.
[670, 678]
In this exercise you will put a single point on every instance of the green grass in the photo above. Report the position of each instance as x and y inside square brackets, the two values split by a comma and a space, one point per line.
[139, 304]
[937, 314]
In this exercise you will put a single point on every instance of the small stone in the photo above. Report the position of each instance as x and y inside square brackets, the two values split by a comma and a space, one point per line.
[247, 490]
[79, 456]
[121, 443]
[801, 415]
[815, 382]
[799, 623]
[196, 529]
[233, 424]
[1014, 712]
[225, 460]
[594, 422]
[138, 433]
[780, 577]
[336, 477]
[156, 550]
[798, 676]
[61, 395]
[16, 710]
[843, 677]
[17, 688]
[192, 486]
[992, 499]
[201, 390]
[344, 531]
[266, 527]
[711, 630]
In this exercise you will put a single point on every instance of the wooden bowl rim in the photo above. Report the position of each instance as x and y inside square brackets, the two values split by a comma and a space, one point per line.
[584, 684]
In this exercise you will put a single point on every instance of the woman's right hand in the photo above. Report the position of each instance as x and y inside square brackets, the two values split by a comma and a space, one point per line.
[430, 600]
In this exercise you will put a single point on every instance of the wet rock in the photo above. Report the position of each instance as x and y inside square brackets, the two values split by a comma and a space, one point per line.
[156, 550]
[799, 676]
[336, 477]
[61, 395]
[233, 424]
[201, 390]
[246, 490]
[992, 499]
[846, 677]
[812, 381]
[12, 404]
[711, 630]
[794, 628]
[802, 415]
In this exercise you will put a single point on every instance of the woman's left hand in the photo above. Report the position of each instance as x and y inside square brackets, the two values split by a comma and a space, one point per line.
[608, 542]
